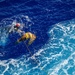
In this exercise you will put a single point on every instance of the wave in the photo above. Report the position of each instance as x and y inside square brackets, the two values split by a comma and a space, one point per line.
[56, 57]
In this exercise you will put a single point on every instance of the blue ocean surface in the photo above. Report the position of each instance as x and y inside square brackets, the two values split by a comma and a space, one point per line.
[53, 51]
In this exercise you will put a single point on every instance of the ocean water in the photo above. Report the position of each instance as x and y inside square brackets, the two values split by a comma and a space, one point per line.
[53, 52]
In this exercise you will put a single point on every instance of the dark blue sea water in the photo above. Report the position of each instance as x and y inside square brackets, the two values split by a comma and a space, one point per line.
[53, 51]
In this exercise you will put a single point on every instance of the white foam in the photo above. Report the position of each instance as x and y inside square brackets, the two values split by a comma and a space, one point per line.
[48, 53]
[61, 65]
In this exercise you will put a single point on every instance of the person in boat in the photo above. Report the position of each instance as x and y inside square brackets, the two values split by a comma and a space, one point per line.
[27, 36]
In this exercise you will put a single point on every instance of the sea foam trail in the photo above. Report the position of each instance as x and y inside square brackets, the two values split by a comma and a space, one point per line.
[56, 57]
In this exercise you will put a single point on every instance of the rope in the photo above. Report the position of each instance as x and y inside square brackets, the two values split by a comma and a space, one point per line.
[31, 55]
[27, 48]
[41, 68]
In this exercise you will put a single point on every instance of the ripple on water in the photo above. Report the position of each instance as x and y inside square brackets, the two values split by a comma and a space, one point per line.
[56, 57]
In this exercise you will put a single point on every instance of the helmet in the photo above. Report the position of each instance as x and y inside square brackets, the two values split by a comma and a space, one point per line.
[17, 25]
